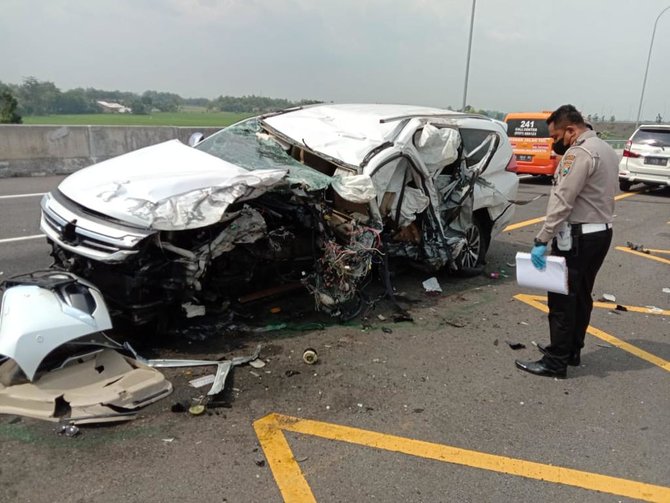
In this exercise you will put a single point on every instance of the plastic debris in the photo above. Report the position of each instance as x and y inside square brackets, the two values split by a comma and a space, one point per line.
[666, 290]
[381, 317]
[515, 345]
[431, 285]
[275, 310]
[257, 363]
[494, 275]
[196, 410]
[608, 297]
[193, 310]
[310, 356]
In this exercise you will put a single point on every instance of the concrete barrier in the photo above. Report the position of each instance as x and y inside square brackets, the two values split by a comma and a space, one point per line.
[60, 150]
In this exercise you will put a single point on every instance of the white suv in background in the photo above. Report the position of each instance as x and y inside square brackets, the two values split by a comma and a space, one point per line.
[646, 157]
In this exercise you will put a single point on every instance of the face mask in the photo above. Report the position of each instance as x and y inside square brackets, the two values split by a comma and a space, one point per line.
[559, 147]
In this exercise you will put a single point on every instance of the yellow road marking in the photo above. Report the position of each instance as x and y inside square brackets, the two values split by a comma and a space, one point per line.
[525, 223]
[285, 468]
[607, 305]
[662, 252]
[532, 221]
[532, 301]
[294, 488]
[643, 255]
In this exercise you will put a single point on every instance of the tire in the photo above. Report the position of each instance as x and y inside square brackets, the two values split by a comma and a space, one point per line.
[625, 185]
[478, 236]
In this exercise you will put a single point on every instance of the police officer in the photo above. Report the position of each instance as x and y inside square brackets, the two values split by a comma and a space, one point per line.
[579, 225]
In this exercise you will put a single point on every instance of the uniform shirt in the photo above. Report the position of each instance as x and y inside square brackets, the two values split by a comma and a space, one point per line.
[585, 183]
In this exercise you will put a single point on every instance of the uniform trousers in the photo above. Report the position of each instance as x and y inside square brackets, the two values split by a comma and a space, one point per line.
[569, 315]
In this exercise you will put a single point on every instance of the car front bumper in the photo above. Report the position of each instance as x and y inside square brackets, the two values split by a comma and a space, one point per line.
[87, 235]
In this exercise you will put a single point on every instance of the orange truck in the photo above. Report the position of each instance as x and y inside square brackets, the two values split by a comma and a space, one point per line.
[529, 135]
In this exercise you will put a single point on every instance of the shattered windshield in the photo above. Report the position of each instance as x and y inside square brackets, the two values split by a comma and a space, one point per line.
[246, 145]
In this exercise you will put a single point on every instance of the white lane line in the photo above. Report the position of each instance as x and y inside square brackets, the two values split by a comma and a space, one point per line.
[16, 196]
[24, 238]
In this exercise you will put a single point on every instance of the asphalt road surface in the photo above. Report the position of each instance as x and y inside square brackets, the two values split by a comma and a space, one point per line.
[431, 410]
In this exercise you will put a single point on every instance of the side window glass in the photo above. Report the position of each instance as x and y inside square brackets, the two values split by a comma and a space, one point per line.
[473, 138]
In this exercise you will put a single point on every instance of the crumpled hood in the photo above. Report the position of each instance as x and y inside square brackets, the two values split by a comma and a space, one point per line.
[168, 186]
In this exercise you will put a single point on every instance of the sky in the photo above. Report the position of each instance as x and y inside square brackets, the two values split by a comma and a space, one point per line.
[527, 55]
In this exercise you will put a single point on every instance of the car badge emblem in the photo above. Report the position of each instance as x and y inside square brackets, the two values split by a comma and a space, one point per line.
[70, 231]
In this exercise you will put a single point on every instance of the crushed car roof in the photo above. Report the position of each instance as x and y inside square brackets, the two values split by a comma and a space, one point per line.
[348, 132]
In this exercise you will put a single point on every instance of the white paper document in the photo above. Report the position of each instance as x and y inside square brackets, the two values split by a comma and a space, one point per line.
[553, 278]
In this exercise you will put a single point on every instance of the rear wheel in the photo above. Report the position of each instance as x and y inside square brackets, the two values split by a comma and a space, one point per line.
[625, 185]
[477, 238]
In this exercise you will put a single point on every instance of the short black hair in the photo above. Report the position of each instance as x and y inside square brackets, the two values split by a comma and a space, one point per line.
[566, 115]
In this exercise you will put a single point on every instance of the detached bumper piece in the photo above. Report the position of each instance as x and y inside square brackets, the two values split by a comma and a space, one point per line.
[59, 365]
[103, 386]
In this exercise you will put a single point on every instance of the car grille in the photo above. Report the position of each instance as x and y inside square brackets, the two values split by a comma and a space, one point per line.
[86, 233]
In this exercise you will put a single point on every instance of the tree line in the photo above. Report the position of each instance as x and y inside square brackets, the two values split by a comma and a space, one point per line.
[35, 97]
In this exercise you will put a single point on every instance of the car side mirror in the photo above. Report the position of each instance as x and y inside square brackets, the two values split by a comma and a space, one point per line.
[195, 138]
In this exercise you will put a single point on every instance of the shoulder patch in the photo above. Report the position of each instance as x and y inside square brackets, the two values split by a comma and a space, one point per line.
[566, 163]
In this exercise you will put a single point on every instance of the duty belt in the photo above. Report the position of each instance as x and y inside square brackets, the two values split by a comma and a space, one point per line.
[578, 229]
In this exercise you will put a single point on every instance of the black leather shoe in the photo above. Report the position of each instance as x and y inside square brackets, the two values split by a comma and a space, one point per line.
[574, 359]
[540, 368]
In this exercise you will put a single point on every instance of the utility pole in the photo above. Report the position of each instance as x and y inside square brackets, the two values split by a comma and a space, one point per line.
[467, 62]
[644, 82]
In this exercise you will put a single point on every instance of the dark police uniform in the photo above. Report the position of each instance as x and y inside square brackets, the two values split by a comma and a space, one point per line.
[579, 219]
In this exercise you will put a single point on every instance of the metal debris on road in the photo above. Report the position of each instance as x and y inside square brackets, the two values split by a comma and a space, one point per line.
[199, 382]
[637, 247]
[400, 317]
[515, 345]
[455, 323]
[310, 356]
[69, 430]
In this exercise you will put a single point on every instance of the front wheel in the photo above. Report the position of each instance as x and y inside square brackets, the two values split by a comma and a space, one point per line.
[477, 238]
[625, 185]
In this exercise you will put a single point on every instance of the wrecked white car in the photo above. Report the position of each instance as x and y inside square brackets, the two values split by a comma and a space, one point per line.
[319, 195]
